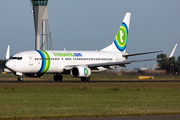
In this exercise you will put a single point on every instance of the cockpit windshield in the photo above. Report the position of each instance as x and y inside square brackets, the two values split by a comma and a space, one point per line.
[17, 58]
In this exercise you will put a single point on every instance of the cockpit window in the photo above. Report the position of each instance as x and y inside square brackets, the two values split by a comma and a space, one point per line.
[18, 58]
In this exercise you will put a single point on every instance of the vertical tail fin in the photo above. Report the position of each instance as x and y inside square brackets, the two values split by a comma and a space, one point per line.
[120, 40]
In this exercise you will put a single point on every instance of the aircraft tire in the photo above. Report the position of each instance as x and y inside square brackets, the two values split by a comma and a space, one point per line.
[60, 77]
[55, 77]
[20, 78]
[85, 78]
[88, 78]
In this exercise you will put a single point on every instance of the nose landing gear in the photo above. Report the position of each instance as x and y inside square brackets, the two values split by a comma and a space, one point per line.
[20, 78]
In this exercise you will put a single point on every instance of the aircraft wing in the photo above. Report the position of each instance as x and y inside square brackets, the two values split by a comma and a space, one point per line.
[122, 64]
[127, 55]
[108, 64]
[128, 62]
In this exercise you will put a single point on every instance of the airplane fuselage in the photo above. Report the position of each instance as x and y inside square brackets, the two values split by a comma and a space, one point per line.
[39, 61]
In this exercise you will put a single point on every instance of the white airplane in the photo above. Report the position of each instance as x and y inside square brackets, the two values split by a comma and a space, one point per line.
[79, 64]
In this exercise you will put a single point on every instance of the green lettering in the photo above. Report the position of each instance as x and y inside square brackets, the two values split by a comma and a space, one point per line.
[59, 54]
[71, 55]
[68, 54]
[55, 54]
[63, 54]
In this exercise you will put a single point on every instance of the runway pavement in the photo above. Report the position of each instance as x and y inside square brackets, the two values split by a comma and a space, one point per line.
[169, 117]
[98, 81]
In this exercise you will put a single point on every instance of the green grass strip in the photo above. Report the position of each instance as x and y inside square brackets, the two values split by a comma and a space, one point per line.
[72, 100]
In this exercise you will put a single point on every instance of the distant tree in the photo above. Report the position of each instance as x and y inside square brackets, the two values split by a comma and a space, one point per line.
[178, 61]
[170, 65]
[178, 64]
[2, 63]
[163, 64]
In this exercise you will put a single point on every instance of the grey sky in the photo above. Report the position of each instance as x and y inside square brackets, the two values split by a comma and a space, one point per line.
[83, 25]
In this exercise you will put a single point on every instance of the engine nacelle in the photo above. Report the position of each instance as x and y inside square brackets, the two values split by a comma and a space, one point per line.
[80, 71]
[35, 75]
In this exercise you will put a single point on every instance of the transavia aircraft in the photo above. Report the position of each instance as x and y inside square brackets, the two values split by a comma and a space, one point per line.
[80, 64]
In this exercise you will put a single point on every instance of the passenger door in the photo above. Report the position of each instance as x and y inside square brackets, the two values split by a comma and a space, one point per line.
[30, 59]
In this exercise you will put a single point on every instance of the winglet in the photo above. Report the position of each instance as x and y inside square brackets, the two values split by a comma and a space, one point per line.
[8, 52]
[172, 53]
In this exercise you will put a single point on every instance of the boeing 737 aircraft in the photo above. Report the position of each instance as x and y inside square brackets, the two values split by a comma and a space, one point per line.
[80, 64]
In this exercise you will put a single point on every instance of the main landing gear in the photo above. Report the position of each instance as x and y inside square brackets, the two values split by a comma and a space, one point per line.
[58, 77]
[85, 78]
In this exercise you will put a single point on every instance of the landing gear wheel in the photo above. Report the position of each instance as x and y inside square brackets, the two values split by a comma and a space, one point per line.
[20, 78]
[55, 78]
[85, 78]
[58, 77]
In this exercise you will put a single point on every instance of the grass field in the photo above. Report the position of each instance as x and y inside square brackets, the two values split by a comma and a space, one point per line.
[71, 100]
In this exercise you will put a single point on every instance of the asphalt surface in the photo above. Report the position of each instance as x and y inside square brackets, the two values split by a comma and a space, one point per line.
[107, 81]
[169, 117]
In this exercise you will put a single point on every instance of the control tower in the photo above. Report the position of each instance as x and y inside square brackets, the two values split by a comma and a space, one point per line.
[40, 23]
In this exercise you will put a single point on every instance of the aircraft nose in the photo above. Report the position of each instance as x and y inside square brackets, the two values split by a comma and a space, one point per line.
[9, 64]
